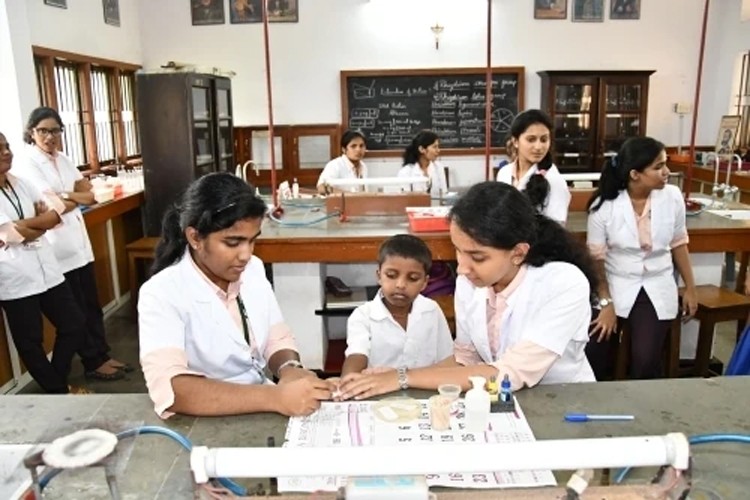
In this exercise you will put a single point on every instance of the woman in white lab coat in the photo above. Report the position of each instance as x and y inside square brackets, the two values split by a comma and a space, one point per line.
[420, 159]
[209, 324]
[31, 282]
[532, 170]
[522, 300]
[53, 173]
[636, 230]
[347, 166]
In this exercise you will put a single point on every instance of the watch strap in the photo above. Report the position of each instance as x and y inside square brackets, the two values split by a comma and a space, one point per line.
[403, 379]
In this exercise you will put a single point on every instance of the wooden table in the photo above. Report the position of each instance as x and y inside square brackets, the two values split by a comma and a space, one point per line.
[156, 467]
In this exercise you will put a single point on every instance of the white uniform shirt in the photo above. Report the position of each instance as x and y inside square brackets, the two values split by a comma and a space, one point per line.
[372, 331]
[613, 233]
[343, 168]
[70, 240]
[558, 200]
[437, 185]
[550, 308]
[31, 268]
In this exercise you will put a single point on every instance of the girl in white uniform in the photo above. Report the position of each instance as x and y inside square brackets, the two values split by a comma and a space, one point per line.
[532, 171]
[399, 327]
[54, 174]
[208, 322]
[522, 300]
[347, 166]
[32, 283]
[636, 230]
[420, 159]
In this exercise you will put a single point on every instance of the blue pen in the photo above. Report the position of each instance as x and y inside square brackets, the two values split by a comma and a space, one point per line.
[587, 417]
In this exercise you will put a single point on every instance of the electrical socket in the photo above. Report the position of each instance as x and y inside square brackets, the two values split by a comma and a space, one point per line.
[682, 108]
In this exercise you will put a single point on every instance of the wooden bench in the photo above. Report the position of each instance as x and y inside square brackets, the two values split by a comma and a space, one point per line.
[716, 305]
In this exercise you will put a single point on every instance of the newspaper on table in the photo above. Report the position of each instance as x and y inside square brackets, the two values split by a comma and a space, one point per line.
[400, 421]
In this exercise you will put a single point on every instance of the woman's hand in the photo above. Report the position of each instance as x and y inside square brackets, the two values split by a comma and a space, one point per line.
[292, 373]
[40, 208]
[82, 186]
[302, 396]
[605, 324]
[361, 386]
[689, 303]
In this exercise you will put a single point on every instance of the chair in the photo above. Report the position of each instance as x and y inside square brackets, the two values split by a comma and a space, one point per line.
[579, 198]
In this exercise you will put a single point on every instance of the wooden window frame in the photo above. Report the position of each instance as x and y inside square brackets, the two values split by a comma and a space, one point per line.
[47, 57]
[289, 135]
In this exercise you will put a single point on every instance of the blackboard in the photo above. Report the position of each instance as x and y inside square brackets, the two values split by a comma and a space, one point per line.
[391, 106]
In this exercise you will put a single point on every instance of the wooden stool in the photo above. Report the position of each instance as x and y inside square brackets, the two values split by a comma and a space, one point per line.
[138, 251]
[715, 305]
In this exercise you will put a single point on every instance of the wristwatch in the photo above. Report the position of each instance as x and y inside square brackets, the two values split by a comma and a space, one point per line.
[605, 302]
[403, 381]
[290, 362]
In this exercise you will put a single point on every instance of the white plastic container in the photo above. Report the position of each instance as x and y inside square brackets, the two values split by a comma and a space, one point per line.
[477, 406]
[295, 189]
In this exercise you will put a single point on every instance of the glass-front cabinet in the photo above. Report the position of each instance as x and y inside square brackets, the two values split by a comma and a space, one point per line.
[593, 112]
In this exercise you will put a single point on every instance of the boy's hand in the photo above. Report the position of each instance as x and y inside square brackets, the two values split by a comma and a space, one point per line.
[360, 386]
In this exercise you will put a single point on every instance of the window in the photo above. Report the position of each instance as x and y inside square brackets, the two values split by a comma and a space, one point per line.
[96, 101]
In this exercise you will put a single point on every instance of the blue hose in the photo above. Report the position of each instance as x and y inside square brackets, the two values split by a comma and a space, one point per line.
[699, 439]
[164, 431]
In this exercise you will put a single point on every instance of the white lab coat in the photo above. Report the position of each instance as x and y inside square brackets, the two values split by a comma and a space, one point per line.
[31, 268]
[550, 308]
[438, 184]
[628, 266]
[372, 332]
[178, 309]
[558, 199]
[70, 240]
[342, 168]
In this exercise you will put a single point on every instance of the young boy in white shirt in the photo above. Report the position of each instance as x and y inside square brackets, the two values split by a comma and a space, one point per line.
[399, 328]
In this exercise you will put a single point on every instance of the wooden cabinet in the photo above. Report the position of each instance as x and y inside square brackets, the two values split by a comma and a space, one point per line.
[593, 113]
[301, 152]
[186, 129]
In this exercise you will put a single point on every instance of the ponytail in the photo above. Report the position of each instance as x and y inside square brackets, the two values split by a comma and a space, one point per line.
[422, 140]
[172, 243]
[636, 153]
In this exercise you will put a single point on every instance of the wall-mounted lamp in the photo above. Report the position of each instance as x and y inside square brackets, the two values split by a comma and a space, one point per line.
[437, 30]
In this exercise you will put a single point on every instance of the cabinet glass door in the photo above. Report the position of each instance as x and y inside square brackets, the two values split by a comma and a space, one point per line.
[222, 104]
[574, 127]
[622, 115]
[226, 151]
[203, 147]
[261, 150]
[201, 103]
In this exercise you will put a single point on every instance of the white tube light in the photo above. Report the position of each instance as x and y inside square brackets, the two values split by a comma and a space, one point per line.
[571, 454]
[378, 181]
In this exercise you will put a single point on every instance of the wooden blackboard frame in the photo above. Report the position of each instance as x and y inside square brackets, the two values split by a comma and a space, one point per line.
[517, 71]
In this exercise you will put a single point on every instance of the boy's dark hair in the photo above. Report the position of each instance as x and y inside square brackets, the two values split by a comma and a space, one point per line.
[408, 247]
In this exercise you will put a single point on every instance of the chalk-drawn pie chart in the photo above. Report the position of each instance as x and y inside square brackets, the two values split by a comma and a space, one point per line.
[501, 119]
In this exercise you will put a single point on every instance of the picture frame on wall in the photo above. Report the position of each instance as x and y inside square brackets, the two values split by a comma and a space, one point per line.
[727, 134]
[111, 12]
[550, 9]
[245, 11]
[282, 11]
[205, 12]
[62, 4]
[625, 9]
[588, 11]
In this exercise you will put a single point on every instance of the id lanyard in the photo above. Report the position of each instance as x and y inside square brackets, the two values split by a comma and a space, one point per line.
[18, 208]
[246, 331]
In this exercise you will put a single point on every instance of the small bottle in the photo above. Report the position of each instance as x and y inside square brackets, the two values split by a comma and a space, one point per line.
[506, 395]
[295, 188]
[477, 403]
[492, 389]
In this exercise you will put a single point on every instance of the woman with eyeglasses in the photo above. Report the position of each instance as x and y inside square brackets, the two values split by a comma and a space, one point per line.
[209, 325]
[31, 282]
[52, 173]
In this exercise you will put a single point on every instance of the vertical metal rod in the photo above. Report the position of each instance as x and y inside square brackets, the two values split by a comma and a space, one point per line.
[488, 96]
[269, 92]
[689, 179]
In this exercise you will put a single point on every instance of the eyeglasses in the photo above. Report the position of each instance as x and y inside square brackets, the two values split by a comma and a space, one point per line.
[48, 131]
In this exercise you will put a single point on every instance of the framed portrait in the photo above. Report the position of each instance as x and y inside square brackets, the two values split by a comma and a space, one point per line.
[282, 11]
[63, 4]
[589, 11]
[625, 9]
[727, 134]
[111, 12]
[245, 11]
[550, 9]
[205, 12]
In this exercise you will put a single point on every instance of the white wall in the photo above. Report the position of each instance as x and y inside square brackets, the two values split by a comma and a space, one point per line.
[80, 29]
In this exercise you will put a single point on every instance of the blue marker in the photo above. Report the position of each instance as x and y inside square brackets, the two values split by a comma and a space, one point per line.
[586, 417]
